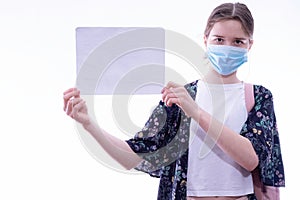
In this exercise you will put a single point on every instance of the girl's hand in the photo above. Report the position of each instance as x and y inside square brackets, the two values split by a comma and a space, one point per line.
[75, 106]
[175, 93]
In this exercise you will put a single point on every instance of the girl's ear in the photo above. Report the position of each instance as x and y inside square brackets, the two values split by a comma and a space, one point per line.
[250, 44]
[205, 40]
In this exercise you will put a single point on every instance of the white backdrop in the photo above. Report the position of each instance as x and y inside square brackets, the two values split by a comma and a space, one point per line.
[41, 154]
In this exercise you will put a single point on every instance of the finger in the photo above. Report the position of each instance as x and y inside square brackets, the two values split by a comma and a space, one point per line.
[165, 92]
[70, 93]
[167, 95]
[173, 100]
[76, 108]
[71, 104]
[69, 107]
[69, 90]
[76, 101]
[172, 85]
[179, 92]
[170, 96]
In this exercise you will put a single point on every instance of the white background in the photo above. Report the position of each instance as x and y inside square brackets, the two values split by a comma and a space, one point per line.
[41, 154]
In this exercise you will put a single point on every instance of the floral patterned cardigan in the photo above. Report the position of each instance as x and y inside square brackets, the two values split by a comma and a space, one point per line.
[163, 144]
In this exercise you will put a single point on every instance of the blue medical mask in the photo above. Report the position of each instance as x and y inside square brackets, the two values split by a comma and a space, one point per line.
[226, 59]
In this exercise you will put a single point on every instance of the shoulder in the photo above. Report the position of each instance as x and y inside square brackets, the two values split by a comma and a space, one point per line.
[261, 90]
[264, 104]
[262, 93]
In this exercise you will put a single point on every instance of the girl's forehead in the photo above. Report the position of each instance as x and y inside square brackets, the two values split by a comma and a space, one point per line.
[229, 28]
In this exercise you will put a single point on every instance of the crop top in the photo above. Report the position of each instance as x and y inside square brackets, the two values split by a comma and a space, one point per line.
[211, 171]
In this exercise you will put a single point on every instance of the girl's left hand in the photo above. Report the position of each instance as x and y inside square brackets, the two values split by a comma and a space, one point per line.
[175, 93]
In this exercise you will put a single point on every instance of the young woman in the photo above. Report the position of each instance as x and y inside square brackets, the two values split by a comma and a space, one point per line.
[214, 138]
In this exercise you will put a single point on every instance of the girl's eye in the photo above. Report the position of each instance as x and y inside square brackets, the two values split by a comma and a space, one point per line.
[219, 40]
[239, 42]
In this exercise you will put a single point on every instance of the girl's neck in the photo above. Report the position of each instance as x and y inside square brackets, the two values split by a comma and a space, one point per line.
[213, 77]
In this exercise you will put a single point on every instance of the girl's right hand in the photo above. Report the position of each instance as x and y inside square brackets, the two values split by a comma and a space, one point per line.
[75, 106]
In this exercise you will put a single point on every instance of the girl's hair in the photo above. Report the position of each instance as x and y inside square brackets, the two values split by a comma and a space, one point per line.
[227, 11]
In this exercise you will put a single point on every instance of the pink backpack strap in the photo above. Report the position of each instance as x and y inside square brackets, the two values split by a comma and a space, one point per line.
[249, 96]
[262, 192]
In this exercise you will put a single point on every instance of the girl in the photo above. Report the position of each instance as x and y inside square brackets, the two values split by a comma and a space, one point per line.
[214, 138]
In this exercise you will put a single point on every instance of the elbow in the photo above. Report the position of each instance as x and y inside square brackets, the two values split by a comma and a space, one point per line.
[128, 166]
[252, 160]
[132, 163]
[252, 163]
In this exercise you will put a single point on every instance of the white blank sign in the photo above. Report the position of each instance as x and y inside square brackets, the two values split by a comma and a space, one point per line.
[120, 60]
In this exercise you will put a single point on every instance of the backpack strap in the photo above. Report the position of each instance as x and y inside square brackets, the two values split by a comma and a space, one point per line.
[249, 96]
[261, 191]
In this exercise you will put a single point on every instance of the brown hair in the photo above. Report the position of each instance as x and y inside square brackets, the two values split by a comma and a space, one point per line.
[227, 11]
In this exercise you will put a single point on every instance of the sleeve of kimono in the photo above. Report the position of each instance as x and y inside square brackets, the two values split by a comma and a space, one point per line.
[164, 138]
[160, 142]
[261, 129]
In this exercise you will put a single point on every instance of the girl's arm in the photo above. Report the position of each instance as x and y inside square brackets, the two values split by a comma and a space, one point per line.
[236, 146]
[116, 148]
[75, 107]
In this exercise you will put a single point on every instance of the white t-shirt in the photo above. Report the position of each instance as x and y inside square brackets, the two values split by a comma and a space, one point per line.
[211, 172]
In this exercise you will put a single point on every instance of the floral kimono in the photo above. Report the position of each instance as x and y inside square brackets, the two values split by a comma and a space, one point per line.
[164, 140]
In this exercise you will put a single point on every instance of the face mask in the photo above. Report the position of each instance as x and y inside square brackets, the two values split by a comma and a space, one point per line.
[226, 59]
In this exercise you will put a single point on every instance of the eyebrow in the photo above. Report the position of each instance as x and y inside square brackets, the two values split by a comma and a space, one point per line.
[217, 36]
[234, 38]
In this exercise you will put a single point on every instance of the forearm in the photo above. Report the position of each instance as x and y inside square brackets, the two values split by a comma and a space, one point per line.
[115, 147]
[236, 146]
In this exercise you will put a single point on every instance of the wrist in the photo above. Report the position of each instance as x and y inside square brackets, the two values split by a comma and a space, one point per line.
[88, 124]
[197, 114]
